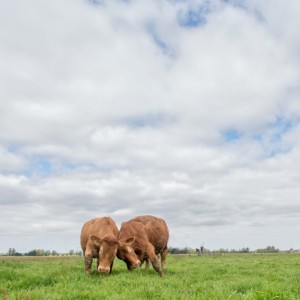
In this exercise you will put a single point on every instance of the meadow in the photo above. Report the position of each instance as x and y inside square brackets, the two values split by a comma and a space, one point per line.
[229, 276]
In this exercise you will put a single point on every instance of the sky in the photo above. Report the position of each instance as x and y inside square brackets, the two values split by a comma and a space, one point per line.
[186, 110]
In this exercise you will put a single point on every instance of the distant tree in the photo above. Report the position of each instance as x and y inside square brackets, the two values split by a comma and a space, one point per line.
[272, 249]
[71, 252]
[191, 251]
[40, 252]
[245, 250]
[181, 250]
[54, 253]
[184, 250]
[175, 250]
[172, 250]
[268, 249]
[222, 250]
[11, 252]
[32, 253]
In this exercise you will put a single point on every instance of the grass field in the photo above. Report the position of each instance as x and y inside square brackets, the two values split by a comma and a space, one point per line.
[229, 276]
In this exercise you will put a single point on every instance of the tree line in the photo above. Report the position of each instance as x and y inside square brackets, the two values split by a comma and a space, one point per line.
[172, 250]
[202, 250]
[41, 252]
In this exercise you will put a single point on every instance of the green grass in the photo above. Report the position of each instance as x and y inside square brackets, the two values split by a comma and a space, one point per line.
[229, 276]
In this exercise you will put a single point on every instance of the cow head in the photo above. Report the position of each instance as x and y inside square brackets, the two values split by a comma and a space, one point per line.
[127, 254]
[108, 247]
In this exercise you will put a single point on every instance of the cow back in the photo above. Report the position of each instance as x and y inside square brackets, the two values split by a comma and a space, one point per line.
[156, 231]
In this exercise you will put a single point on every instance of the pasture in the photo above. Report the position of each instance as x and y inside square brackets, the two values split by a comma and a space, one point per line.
[229, 276]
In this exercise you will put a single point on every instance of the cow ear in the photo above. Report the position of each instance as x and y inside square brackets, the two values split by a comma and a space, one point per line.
[96, 240]
[130, 240]
[110, 240]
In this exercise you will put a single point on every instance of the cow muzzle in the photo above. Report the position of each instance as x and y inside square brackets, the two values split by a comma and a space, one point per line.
[136, 265]
[103, 269]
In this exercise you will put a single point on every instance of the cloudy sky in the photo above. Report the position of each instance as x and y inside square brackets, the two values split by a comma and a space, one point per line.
[187, 110]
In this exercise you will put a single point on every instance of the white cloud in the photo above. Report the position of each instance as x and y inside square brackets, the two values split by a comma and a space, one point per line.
[129, 108]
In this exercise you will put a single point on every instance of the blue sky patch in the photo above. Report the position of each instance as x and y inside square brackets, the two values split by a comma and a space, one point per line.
[232, 135]
[192, 19]
[39, 165]
[13, 148]
[195, 16]
[271, 138]
[158, 39]
[280, 127]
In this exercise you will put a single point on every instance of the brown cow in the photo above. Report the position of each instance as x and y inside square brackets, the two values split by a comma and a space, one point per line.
[141, 239]
[98, 239]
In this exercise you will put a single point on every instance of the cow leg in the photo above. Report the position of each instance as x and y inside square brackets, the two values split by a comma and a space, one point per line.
[147, 263]
[88, 263]
[153, 258]
[164, 258]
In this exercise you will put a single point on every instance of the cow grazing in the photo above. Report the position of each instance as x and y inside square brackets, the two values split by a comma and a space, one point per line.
[98, 239]
[142, 239]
